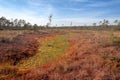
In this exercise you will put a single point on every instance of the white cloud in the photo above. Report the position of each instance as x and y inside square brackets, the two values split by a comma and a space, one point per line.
[30, 17]
[41, 6]
[103, 4]
[36, 13]
[39, 11]
[79, 0]
[80, 21]
[24, 14]
[35, 3]
[74, 9]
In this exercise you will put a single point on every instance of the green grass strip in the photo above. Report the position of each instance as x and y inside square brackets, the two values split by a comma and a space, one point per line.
[49, 49]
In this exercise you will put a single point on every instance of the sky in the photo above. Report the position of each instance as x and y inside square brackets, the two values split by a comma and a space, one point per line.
[79, 12]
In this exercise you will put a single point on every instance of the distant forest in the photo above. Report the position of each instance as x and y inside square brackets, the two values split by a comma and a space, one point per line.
[19, 24]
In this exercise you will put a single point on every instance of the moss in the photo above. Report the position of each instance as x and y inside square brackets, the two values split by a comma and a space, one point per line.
[49, 49]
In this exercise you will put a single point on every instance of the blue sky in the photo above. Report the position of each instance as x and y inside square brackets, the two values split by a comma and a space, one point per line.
[79, 12]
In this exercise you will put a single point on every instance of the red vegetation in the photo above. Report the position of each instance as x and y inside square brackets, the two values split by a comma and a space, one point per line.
[84, 60]
[88, 58]
[22, 46]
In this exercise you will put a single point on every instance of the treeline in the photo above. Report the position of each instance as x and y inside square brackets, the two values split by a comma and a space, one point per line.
[22, 25]
[100, 27]
[17, 24]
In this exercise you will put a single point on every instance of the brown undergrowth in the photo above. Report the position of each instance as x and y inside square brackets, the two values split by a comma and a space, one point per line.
[91, 56]
[22, 46]
[88, 58]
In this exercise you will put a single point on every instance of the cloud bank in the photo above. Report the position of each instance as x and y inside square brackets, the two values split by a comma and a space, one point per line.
[79, 12]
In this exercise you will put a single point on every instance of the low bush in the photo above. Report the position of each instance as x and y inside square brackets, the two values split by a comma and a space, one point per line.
[116, 41]
[6, 40]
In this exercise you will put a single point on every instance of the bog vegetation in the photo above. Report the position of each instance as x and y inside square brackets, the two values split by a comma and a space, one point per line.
[50, 49]
[33, 52]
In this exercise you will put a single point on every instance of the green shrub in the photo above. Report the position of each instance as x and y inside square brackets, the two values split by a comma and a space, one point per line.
[116, 41]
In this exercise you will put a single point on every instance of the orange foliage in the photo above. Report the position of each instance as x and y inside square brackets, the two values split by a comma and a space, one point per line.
[88, 58]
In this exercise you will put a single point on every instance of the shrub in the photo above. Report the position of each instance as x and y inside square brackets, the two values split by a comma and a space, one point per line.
[116, 41]
[6, 40]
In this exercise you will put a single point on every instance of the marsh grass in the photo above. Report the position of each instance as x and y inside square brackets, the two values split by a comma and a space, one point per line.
[49, 49]
[7, 36]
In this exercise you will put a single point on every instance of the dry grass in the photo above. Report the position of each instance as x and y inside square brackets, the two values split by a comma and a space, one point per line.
[8, 35]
